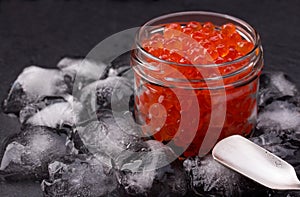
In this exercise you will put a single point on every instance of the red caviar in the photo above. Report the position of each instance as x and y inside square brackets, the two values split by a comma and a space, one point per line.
[177, 42]
[194, 43]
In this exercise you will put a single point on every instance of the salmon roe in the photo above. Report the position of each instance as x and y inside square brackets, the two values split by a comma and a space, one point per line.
[179, 43]
[161, 108]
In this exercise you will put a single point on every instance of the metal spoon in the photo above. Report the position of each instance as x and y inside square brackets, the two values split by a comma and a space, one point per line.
[256, 163]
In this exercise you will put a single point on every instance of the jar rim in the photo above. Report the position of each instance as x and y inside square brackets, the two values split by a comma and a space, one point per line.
[241, 22]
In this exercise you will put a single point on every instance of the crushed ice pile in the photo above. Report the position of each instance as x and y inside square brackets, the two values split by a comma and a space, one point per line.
[76, 145]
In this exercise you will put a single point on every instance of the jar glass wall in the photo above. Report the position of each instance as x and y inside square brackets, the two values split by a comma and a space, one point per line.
[190, 106]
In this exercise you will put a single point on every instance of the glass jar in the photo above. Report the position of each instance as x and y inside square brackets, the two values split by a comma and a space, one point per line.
[192, 106]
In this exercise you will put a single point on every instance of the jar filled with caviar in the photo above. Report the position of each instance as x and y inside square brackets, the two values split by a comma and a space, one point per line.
[196, 79]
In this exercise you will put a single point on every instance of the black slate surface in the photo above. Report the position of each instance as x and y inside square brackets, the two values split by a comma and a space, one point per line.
[41, 32]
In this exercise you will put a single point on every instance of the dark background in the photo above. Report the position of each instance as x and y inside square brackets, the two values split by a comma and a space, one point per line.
[41, 32]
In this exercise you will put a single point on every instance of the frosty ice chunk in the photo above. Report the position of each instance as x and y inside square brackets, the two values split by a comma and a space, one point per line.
[28, 154]
[34, 82]
[275, 85]
[153, 172]
[208, 177]
[278, 116]
[84, 177]
[111, 93]
[80, 72]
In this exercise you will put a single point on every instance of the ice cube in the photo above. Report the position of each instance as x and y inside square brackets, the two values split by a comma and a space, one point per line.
[61, 113]
[54, 115]
[28, 154]
[111, 93]
[208, 177]
[80, 72]
[153, 172]
[83, 177]
[278, 116]
[34, 82]
[274, 85]
[110, 137]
